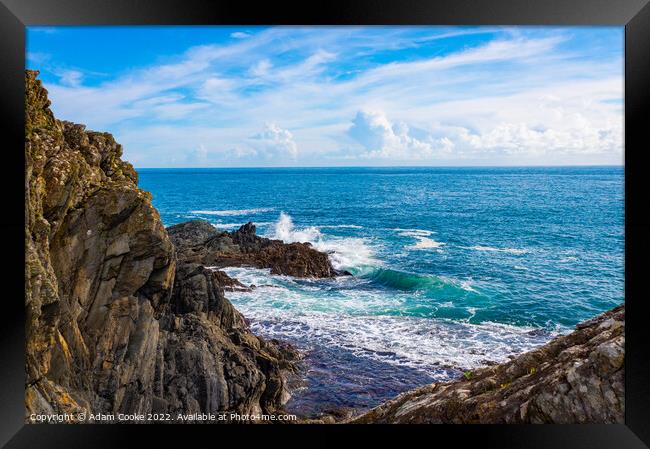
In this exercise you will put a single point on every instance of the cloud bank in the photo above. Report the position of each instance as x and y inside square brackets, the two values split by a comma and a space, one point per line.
[360, 96]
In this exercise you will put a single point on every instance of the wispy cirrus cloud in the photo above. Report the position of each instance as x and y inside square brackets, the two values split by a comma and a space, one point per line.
[363, 96]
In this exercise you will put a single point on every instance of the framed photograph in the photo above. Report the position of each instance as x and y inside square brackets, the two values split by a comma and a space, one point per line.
[380, 218]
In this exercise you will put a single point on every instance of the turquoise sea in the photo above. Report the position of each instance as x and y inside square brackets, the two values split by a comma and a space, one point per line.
[454, 268]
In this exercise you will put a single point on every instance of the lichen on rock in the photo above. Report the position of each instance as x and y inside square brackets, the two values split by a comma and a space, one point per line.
[115, 323]
[575, 378]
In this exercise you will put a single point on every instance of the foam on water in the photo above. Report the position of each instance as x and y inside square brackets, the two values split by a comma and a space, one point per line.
[414, 232]
[233, 212]
[425, 243]
[375, 324]
[466, 285]
[379, 317]
[498, 250]
[344, 252]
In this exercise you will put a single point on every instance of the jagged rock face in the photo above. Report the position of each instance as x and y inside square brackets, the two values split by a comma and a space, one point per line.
[225, 367]
[577, 378]
[112, 324]
[98, 260]
[198, 241]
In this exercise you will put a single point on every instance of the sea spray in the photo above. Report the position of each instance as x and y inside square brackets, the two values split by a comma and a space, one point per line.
[345, 253]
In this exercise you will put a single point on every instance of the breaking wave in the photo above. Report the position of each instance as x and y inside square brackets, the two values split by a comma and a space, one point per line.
[345, 253]
[411, 282]
[359, 320]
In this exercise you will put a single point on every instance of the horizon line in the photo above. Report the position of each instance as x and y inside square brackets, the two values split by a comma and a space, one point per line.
[389, 166]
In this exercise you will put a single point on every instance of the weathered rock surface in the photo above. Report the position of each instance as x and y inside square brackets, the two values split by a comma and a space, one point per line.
[115, 323]
[197, 241]
[208, 360]
[576, 378]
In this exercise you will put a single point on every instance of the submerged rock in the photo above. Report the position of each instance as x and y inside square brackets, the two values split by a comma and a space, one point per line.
[197, 243]
[576, 378]
[116, 323]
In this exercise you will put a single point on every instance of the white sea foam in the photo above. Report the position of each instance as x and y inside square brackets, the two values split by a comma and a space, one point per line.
[422, 237]
[344, 252]
[360, 321]
[425, 243]
[467, 286]
[413, 232]
[233, 212]
[350, 313]
[499, 250]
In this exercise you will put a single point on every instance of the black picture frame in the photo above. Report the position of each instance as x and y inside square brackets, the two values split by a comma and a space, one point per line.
[15, 15]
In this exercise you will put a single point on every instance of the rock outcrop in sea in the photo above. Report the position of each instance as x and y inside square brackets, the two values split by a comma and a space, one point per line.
[198, 241]
[117, 322]
[576, 378]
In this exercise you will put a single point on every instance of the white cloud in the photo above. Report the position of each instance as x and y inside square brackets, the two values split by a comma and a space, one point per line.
[239, 35]
[274, 141]
[37, 57]
[288, 74]
[175, 111]
[261, 69]
[70, 78]
[515, 98]
[570, 134]
[384, 139]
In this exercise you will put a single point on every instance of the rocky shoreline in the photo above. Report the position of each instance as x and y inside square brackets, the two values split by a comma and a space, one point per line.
[575, 378]
[127, 316]
[122, 315]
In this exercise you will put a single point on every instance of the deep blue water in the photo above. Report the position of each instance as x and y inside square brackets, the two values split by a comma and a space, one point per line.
[454, 267]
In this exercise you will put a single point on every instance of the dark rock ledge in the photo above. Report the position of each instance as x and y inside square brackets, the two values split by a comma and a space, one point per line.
[199, 242]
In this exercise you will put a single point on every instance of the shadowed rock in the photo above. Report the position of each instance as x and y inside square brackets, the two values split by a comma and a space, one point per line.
[115, 323]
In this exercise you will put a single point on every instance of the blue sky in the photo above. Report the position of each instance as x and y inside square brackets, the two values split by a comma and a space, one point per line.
[333, 96]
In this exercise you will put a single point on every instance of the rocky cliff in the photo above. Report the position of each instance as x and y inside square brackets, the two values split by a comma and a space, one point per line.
[115, 321]
[577, 378]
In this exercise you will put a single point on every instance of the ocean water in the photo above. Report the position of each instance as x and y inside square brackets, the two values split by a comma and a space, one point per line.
[454, 268]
